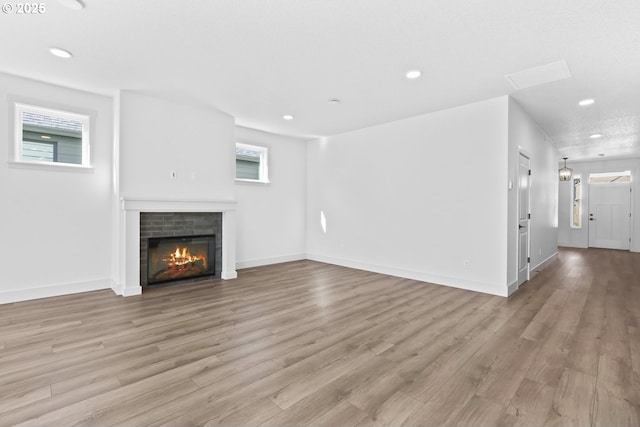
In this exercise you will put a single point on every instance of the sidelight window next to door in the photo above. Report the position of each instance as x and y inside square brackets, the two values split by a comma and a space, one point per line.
[576, 202]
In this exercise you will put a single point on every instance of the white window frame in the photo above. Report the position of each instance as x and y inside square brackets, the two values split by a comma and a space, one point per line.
[263, 170]
[18, 129]
[609, 174]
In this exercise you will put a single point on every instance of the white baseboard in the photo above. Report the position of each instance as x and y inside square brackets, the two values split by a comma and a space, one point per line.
[533, 271]
[571, 245]
[53, 291]
[268, 261]
[486, 288]
[126, 292]
[512, 288]
[229, 275]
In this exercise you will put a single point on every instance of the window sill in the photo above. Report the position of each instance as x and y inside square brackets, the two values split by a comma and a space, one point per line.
[251, 181]
[51, 166]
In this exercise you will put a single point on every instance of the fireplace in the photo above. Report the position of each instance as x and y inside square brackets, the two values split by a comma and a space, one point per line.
[142, 219]
[171, 259]
[158, 226]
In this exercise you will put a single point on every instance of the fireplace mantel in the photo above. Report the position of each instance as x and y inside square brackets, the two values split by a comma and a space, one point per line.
[129, 254]
[155, 205]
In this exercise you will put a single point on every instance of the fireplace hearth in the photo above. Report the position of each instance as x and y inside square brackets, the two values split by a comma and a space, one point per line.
[171, 259]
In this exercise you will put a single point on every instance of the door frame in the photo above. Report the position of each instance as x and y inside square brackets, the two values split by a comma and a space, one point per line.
[590, 209]
[524, 153]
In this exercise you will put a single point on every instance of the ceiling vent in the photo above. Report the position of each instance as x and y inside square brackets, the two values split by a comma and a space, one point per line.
[539, 75]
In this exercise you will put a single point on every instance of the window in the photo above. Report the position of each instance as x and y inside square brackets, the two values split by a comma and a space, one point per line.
[610, 177]
[49, 136]
[576, 196]
[251, 163]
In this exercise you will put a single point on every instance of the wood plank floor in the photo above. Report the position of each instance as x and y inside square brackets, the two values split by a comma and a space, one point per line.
[306, 343]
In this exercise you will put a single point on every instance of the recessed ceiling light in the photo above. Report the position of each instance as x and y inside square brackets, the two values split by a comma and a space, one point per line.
[60, 53]
[287, 117]
[586, 102]
[334, 101]
[413, 74]
[595, 136]
[45, 137]
[72, 4]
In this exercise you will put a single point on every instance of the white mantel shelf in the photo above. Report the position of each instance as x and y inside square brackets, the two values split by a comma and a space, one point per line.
[129, 261]
[155, 205]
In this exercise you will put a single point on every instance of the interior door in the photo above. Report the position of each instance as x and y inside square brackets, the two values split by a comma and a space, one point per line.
[609, 215]
[524, 183]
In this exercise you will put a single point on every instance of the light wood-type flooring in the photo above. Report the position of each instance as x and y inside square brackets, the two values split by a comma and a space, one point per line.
[311, 344]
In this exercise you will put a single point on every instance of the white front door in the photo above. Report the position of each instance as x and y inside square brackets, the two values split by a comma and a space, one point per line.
[523, 219]
[609, 215]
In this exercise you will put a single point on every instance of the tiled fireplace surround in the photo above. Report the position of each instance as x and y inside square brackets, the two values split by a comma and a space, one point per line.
[130, 229]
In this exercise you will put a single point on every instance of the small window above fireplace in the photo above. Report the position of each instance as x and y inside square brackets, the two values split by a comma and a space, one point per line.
[251, 163]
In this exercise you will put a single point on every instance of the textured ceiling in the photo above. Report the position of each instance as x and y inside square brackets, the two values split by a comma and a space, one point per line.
[260, 59]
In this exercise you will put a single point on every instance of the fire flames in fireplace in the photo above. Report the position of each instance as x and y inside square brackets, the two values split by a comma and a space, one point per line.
[183, 258]
[180, 264]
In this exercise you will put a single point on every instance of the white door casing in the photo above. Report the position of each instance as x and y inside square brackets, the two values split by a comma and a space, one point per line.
[524, 185]
[609, 215]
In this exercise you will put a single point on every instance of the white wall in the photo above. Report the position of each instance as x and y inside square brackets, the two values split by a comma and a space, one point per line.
[158, 136]
[525, 135]
[416, 197]
[579, 237]
[271, 217]
[55, 225]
